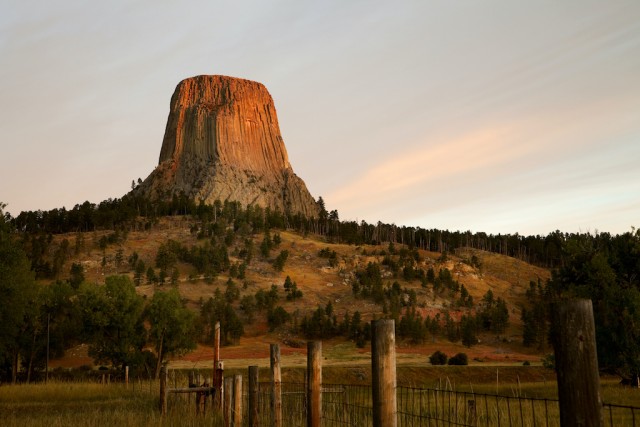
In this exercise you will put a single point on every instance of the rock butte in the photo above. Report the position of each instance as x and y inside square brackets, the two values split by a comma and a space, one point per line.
[222, 142]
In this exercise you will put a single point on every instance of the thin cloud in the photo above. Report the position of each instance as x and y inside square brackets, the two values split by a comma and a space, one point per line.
[431, 165]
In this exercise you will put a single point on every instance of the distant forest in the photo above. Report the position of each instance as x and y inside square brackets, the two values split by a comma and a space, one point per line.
[133, 212]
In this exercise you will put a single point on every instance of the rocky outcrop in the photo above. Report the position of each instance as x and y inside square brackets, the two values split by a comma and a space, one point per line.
[223, 142]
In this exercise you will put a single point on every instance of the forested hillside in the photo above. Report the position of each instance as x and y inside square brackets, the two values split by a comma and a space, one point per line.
[142, 283]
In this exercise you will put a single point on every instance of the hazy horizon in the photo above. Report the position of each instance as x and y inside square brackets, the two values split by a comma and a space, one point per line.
[487, 116]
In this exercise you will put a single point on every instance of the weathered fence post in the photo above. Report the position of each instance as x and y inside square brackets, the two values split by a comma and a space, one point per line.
[574, 342]
[314, 384]
[217, 375]
[163, 391]
[383, 370]
[345, 405]
[219, 393]
[253, 396]
[276, 386]
[201, 396]
[471, 412]
[228, 401]
[192, 383]
[237, 400]
[126, 377]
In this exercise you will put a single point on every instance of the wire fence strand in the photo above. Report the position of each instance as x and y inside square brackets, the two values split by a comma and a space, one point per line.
[352, 405]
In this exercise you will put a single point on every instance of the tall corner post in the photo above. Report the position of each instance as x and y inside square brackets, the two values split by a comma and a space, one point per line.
[314, 384]
[574, 341]
[276, 386]
[383, 371]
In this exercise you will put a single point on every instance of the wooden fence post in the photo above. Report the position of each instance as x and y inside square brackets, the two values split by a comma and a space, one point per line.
[345, 405]
[218, 395]
[471, 412]
[276, 386]
[253, 396]
[216, 349]
[228, 401]
[163, 391]
[314, 384]
[574, 342]
[126, 377]
[237, 400]
[383, 372]
[192, 383]
[201, 396]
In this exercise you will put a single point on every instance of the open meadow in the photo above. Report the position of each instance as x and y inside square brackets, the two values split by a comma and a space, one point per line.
[60, 404]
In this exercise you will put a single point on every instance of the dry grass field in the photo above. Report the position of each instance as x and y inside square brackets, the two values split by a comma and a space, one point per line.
[90, 404]
[59, 404]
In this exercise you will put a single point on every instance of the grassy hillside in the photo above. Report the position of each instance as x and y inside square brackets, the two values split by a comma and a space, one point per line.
[320, 284]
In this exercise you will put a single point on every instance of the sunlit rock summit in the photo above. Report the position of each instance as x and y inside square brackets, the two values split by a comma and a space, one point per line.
[222, 141]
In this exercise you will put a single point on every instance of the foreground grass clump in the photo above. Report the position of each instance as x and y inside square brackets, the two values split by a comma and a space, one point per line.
[89, 404]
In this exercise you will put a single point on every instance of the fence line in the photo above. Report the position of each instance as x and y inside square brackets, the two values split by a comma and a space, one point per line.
[352, 405]
[384, 403]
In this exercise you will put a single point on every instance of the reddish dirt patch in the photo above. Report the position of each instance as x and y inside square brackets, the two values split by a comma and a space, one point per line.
[250, 348]
[73, 358]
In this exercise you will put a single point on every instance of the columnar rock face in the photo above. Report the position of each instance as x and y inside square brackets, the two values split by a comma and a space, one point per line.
[222, 142]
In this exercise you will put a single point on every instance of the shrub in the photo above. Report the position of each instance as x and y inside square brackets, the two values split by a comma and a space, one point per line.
[526, 363]
[438, 358]
[281, 259]
[459, 359]
[549, 361]
[277, 317]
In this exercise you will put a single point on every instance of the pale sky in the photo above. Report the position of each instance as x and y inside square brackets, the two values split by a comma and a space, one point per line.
[495, 116]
